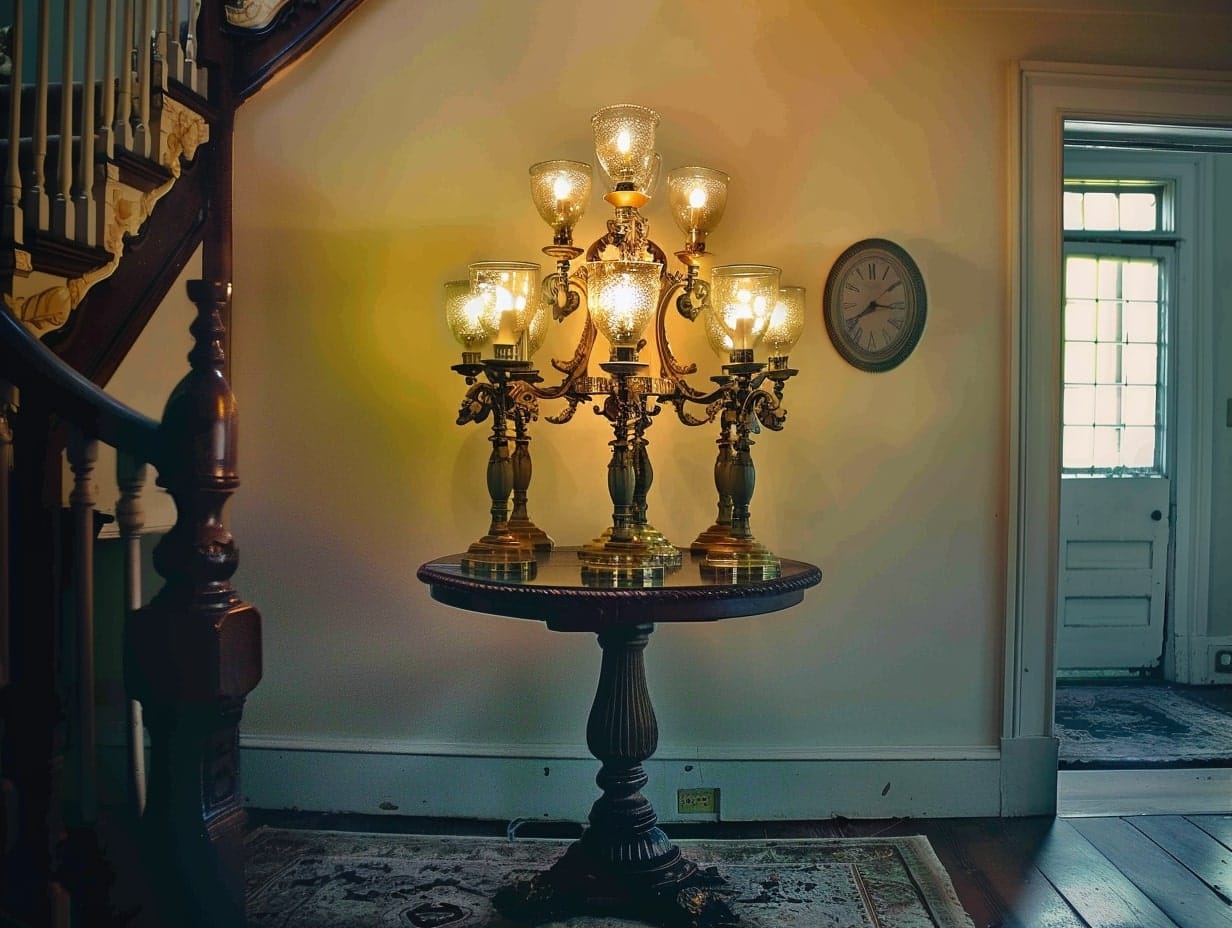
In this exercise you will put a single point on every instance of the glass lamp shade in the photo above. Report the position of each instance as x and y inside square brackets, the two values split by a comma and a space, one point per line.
[465, 316]
[648, 181]
[786, 322]
[624, 142]
[560, 191]
[720, 342]
[510, 294]
[742, 297]
[622, 296]
[537, 330]
[697, 197]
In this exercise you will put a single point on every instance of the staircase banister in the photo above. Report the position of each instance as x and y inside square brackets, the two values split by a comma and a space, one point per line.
[30, 365]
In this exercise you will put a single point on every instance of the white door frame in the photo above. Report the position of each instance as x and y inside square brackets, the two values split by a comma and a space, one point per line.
[1043, 96]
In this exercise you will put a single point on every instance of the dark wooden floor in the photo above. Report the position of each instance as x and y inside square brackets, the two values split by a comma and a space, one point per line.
[1161, 871]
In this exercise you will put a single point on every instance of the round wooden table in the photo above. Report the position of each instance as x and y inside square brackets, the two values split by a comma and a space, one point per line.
[623, 864]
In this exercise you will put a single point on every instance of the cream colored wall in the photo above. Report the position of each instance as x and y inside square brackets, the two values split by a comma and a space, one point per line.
[396, 154]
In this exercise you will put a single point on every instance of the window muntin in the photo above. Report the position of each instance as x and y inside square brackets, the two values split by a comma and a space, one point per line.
[1114, 343]
[1114, 206]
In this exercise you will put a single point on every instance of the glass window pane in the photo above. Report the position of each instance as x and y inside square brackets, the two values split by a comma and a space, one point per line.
[1106, 451]
[1141, 322]
[1099, 211]
[1080, 320]
[1073, 210]
[1138, 213]
[1109, 285]
[1079, 405]
[1080, 363]
[1140, 364]
[1107, 363]
[1080, 278]
[1076, 447]
[1139, 406]
[1107, 405]
[1138, 447]
[1140, 280]
[1108, 316]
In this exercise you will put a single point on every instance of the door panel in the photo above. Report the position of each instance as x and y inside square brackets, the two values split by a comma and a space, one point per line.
[1114, 561]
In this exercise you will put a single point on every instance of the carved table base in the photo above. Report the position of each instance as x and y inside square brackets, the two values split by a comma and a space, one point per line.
[676, 894]
[624, 864]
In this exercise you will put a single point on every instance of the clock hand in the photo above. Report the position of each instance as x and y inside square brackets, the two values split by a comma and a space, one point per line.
[851, 320]
[886, 290]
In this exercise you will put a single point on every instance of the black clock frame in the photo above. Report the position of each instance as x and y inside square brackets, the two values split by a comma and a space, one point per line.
[831, 306]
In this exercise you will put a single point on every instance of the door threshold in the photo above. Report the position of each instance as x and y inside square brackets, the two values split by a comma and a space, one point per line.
[1172, 791]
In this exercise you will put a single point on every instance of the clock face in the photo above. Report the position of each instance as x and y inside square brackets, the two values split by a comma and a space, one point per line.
[875, 305]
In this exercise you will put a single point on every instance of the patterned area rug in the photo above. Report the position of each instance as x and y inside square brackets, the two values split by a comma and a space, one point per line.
[1140, 726]
[314, 879]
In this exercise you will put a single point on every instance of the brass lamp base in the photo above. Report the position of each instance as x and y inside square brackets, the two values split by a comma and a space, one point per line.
[500, 557]
[736, 559]
[656, 543]
[607, 562]
[530, 534]
[711, 537]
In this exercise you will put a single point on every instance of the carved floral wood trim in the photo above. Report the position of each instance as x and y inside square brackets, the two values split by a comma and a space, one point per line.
[182, 131]
[254, 14]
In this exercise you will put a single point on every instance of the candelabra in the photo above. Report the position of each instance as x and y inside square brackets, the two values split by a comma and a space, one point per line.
[501, 314]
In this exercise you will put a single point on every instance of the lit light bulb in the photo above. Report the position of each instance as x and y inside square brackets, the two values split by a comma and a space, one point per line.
[623, 142]
[697, 199]
[561, 188]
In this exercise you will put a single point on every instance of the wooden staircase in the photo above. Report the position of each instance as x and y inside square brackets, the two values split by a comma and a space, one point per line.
[117, 166]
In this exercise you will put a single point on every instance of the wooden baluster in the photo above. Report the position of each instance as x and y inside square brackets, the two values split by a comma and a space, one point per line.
[141, 135]
[194, 653]
[130, 514]
[62, 204]
[123, 126]
[83, 206]
[175, 51]
[105, 139]
[37, 210]
[10, 210]
[161, 43]
[82, 456]
[190, 45]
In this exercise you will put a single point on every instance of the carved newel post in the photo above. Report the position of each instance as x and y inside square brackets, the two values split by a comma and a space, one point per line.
[194, 653]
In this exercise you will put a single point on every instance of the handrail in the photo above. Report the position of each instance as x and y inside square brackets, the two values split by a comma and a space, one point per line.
[29, 364]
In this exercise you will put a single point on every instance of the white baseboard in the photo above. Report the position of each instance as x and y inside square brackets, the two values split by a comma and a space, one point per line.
[1145, 792]
[1202, 650]
[503, 783]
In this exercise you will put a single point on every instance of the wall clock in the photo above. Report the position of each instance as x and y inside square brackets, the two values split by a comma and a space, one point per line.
[875, 304]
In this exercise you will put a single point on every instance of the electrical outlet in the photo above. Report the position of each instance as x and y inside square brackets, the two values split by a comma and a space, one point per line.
[695, 801]
[1223, 661]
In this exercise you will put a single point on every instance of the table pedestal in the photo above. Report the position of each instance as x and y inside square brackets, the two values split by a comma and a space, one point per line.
[623, 864]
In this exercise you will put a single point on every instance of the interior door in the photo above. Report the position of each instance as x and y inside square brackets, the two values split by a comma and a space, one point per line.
[1115, 490]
